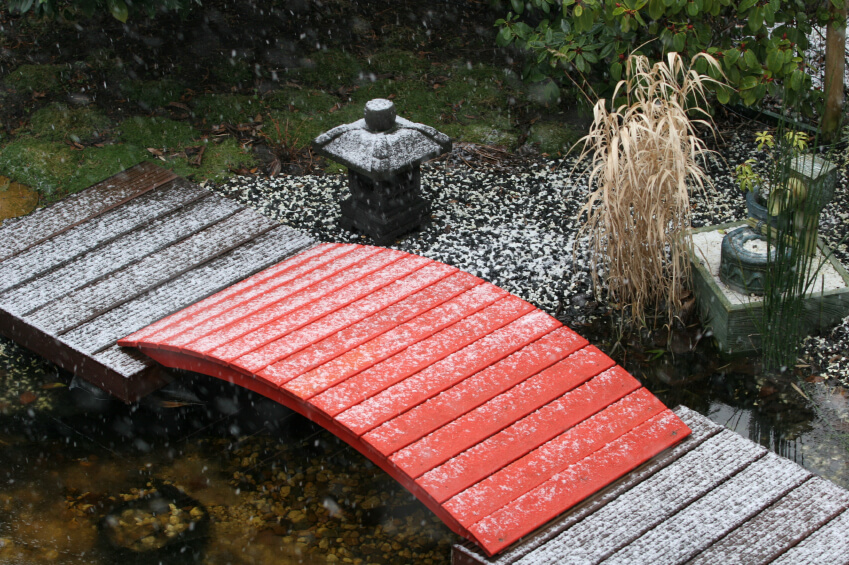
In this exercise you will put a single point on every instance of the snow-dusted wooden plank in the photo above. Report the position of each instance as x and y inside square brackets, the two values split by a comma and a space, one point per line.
[474, 391]
[237, 306]
[648, 503]
[347, 316]
[97, 231]
[129, 362]
[265, 309]
[540, 543]
[237, 352]
[122, 286]
[377, 324]
[213, 306]
[467, 359]
[118, 254]
[22, 233]
[794, 517]
[827, 546]
[517, 478]
[187, 289]
[683, 535]
[577, 482]
[513, 423]
[362, 396]
[388, 343]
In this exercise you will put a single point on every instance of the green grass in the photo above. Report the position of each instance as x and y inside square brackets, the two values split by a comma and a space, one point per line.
[227, 108]
[412, 99]
[159, 133]
[57, 122]
[303, 100]
[37, 78]
[396, 61]
[330, 69]
[152, 94]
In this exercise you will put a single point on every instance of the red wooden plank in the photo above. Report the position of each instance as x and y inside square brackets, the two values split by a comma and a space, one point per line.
[564, 490]
[236, 310]
[479, 451]
[439, 376]
[412, 360]
[474, 391]
[345, 317]
[350, 338]
[389, 343]
[220, 302]
[267, 308]
[264, 334]
[552, 457]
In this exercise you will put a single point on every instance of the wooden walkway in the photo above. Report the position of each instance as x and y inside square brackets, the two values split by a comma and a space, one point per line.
[76, 276]
[713, 499]
[490, 411]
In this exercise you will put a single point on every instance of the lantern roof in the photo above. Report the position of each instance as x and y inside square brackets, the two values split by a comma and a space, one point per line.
[381, 145]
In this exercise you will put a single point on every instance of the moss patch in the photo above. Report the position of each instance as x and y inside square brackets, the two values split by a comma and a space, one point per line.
[159, 133]
[227, 108]
[303, 100]
[234, 72]
[330, 68]
[218, 159]
[99, 163]
[152, 94]
[57, 122]
[297, 130]
[46, 166]
[492, 130]
[553, 137]
[41, 78]
[397, 62]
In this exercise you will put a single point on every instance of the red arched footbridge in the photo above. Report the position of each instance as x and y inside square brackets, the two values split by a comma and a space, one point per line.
[490, 411]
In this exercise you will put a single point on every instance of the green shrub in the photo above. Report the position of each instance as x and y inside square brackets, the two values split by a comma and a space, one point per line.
[758, 43]
[57, 122]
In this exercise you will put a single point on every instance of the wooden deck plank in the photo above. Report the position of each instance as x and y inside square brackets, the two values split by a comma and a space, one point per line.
[523, 434]
[465, 361]
[543, 544]
[474, 391]
[389, 343]
[283, 300]
[571, 446]
[377, 324]
[65, 247]
[122, 286]
[694, 528]
[122, 253]
[649, 502]
[794, 517]
[509, 424]
[535, 508]
[345, 317]
[237, 306]
[20, 234]
[237, 351]
[201, 311]
[827, 546]
[356, 395]
[187, 289]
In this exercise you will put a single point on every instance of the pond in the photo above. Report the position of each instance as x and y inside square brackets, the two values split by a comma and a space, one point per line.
[263, 485]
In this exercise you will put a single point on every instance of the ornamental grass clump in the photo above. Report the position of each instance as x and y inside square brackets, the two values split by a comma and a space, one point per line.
[644, 157]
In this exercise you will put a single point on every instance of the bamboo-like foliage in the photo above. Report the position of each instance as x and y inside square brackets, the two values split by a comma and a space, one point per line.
[645, 157]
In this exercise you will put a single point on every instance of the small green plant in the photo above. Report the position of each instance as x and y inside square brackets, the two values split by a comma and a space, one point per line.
[643, 163]
[748, 179]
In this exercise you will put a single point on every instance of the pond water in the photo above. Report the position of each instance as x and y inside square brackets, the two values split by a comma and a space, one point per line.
[263, 485]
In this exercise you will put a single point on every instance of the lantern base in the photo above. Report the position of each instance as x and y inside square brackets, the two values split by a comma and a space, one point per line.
[383, 227]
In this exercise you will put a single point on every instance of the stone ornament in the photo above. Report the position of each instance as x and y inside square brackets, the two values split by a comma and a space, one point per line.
[383, 153]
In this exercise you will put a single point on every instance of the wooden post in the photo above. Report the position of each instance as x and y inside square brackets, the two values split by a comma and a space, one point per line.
[835, 65]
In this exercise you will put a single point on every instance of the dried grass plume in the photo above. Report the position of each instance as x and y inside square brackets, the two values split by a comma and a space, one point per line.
[644, 161]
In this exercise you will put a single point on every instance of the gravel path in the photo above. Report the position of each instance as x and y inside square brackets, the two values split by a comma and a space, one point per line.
[516, 227]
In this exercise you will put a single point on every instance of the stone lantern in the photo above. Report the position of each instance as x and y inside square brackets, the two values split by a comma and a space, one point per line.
[383, 154]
